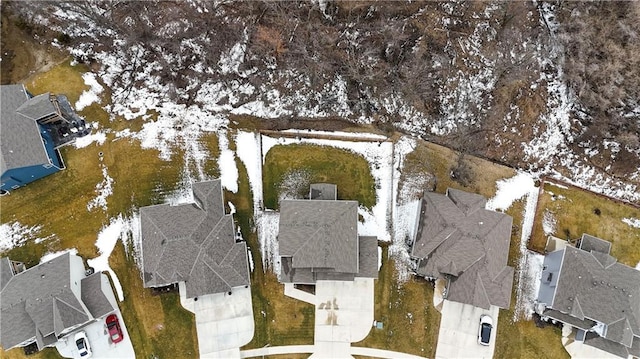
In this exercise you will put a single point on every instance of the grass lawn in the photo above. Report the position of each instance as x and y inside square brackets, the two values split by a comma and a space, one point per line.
[292, 168]
[577, 211]
[429, 159]
[410, 320]
[158, 325]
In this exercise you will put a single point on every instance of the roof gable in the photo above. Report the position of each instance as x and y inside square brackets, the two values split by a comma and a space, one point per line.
[20, 140]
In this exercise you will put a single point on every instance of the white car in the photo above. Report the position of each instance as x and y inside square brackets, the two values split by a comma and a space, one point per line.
[83, 345]
[484, 332]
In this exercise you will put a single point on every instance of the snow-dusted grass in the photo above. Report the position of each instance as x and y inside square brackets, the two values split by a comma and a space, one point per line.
[267, 226]
[15, 234]
[103, 190]
[227, 165]
[98, 137]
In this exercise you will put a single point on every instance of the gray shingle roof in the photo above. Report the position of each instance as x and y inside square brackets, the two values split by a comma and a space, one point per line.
[5, 271]
[37, 107]
[368, 257]
[469, 244]
[194, 243]
[590, 243]
[39, 302]
[604, 290]
[20, 141]
[608, 346]
[584, 324]
[93, 296]
[318, 240]
[320, 234]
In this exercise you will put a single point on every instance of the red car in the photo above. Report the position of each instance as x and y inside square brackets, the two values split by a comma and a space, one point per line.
[114, 328]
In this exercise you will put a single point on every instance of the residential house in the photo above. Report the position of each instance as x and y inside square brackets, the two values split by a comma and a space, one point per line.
[467, 245]
[193, 243]
[31, 130]
[586, 288]
[318, 240]
[47, 302]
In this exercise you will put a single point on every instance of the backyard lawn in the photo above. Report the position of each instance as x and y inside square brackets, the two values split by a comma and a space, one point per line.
[570, 212]
[288, 170]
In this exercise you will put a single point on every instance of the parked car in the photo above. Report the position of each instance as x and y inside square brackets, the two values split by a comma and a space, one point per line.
[484, 332]
[113, 325]
[83, 344]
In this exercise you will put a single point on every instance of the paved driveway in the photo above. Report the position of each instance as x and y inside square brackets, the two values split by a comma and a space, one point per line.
[344, 315]
[224, 321]
[98, 336]
[458, 336]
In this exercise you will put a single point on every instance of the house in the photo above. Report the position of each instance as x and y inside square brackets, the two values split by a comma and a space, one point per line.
[194, 244]
[467, 245]
[47, 302]
[31, 130]
[586, 288]
[319, 240]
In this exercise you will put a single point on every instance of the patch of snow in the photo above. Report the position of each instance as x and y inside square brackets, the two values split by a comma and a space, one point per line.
[528, 284]
[248, 150]
[250, 257]
[51, 255]
[97, 137]
[529, 263]
[549, 223]
[118, 228]
[510, 190]
[92, 95]
[557, 185]
[379, 258]
[633, 222]
[103, 189]
[15, 234]
[356, 135]
[267, 223]
[638, 266]
[227, 164]
[232, 208]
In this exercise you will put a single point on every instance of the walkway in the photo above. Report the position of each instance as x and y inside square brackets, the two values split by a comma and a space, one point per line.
[301, 349]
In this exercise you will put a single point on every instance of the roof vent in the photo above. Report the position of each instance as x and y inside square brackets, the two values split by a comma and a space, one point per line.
[42, 275]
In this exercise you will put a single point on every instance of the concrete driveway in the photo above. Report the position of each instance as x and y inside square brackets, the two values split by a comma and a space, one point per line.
[98, 336]
[224, 321]
[458, 336]
[344, 315]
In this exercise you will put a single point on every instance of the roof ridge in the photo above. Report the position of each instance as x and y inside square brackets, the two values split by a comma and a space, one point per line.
[216, 272]
[73, 307]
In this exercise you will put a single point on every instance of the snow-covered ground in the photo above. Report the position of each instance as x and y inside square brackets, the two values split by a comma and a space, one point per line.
[14, 234]
[118, 228]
